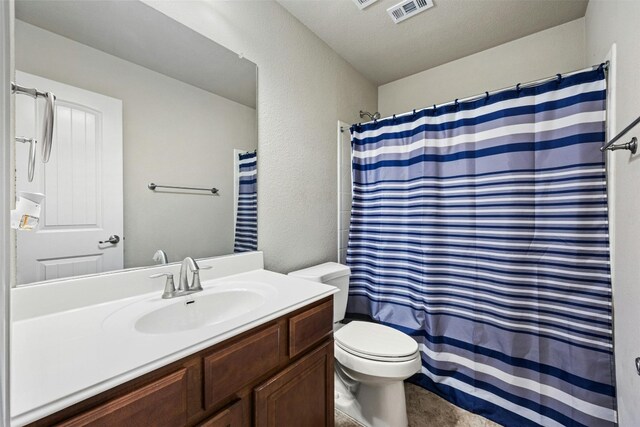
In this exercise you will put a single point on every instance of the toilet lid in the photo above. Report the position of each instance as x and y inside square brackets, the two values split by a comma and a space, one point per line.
[372, 339]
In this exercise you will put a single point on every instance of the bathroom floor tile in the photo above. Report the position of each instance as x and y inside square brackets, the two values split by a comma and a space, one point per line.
[343, 420]
[425, 409]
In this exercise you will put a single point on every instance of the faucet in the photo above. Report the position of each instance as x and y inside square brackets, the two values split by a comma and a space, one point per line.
[184, 287]
[183, 283]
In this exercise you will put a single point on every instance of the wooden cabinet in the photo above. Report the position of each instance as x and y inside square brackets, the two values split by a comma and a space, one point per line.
[228, 417]
[277, 374]
[161, 403]
[232, 368]
[309, 327]
[300, 395]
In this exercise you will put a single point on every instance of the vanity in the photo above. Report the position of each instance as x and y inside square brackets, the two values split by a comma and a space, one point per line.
[262, 358]
[154, 162]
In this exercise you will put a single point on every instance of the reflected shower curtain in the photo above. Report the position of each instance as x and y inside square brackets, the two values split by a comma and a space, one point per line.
[480, 229]
[246, 238]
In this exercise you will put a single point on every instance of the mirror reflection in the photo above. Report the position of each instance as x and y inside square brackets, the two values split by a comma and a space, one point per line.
[154, 146]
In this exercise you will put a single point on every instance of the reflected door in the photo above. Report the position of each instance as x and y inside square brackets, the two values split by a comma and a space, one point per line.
[82, 183]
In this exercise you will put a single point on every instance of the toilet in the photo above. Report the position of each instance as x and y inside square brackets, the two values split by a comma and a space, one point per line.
[372, 360]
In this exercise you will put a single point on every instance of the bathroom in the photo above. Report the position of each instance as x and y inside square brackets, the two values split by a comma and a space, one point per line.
[309, 182]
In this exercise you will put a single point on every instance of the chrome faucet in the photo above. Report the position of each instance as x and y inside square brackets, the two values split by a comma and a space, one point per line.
[184, 287]
[183, 283]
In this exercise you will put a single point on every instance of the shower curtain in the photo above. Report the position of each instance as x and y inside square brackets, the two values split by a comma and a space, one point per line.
[246, 238]
[480, 229]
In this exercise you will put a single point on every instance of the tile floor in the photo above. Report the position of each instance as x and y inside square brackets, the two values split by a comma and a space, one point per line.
[425, 409]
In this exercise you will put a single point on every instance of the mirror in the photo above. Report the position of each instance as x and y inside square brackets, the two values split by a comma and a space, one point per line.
[154, 141]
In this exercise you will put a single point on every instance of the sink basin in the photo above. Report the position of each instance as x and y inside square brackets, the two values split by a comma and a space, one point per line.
[196, 311]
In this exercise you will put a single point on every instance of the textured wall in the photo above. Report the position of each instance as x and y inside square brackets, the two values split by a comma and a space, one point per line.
[609, 22]
[173, 133]
[542, 54]
[304, 88]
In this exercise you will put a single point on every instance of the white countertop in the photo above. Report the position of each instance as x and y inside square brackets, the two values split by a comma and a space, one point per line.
[61, 358]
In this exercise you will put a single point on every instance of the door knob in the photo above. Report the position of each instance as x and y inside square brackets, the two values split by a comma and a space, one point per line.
[112, 239]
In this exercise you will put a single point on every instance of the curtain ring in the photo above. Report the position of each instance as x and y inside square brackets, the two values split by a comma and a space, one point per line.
[457, 105]
[414, 112]
[486, 98]
[518, 88]
[559, 77]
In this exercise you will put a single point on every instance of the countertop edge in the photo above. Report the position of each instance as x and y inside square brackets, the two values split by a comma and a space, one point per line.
[57, 405]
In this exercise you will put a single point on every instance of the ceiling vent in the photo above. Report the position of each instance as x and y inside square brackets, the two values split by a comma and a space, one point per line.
[407, 9]
[364, 3]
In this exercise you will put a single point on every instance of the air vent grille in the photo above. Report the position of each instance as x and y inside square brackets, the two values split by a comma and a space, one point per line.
[364, 3]
[407, 9]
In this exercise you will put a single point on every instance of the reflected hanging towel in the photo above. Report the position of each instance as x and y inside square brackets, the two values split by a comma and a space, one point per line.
[480, 229]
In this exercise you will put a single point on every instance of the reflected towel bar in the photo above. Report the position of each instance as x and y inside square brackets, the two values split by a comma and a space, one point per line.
[48, 118]
[153, 186]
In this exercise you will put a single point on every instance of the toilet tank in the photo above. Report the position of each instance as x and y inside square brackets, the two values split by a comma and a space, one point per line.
[334, 274]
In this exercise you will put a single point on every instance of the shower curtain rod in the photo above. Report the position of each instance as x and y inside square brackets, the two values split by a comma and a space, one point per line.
[604, 65]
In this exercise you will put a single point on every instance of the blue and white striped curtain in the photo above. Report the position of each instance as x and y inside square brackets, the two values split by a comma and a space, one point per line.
[247, 217]
[481, 230]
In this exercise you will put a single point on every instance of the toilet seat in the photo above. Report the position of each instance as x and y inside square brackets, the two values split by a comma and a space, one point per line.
[376, 342]
[373, 357]
[375, 352]
[374, 371]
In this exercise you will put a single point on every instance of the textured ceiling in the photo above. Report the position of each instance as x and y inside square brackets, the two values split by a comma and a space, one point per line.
[383, 51]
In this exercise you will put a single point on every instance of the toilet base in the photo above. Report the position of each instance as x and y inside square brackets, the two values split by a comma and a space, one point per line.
[376, 405]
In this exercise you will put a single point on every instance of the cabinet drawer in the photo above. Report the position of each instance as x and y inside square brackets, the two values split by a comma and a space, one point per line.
[161, 403]
[310, 327]
[229, 417]
[228, 370]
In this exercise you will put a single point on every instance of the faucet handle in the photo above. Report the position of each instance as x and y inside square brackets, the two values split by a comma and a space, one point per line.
[169, 286]
[195, 284]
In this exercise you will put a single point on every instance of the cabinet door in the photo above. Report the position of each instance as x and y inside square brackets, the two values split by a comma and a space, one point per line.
[229, 417]
[300, 395]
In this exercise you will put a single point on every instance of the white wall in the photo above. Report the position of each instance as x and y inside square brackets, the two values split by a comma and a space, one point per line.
[174, 134]
[556, 50]
[304, 88]
[609, 22]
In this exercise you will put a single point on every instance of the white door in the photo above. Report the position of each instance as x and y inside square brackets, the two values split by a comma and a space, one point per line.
[82, 183]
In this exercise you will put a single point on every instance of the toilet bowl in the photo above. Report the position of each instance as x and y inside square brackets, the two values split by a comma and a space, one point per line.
[372, 360]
